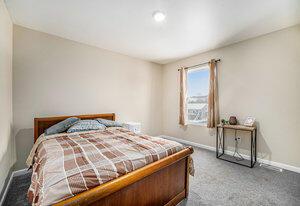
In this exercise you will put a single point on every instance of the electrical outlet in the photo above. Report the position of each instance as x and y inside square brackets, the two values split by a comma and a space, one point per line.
[238, 139]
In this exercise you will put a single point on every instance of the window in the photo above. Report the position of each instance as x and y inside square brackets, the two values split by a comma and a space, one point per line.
[197, 93]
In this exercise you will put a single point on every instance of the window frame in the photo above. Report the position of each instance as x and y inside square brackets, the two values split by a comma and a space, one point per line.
[202, 67]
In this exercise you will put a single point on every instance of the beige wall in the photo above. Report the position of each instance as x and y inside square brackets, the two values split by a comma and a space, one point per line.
[257, 77]
[6, 140]
[55, 76]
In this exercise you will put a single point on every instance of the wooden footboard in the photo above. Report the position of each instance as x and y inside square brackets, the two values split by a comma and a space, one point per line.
[164, 182]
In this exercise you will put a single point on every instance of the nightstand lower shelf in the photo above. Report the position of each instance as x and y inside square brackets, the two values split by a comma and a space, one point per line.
[230, 158]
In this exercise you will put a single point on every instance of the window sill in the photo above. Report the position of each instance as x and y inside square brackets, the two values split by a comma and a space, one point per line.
[197, 124]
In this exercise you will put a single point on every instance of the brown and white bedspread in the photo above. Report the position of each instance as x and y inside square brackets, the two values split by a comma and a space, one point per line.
[67, 164]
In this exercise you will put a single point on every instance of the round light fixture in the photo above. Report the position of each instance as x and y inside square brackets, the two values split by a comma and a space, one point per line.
[158, 16]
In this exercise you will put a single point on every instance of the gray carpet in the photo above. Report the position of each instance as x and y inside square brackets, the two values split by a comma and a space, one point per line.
[17, 192]
[216, 182]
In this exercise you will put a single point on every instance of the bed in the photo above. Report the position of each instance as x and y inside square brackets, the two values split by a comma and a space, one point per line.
[162, 182]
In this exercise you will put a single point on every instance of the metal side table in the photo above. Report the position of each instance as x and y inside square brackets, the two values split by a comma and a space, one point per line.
[220, 144]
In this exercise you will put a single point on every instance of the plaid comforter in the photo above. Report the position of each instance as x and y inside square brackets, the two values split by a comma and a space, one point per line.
[67, 164]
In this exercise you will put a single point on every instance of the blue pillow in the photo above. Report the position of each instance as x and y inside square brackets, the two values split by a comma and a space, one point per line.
[61, 126]
[109, 123]
[86, 125]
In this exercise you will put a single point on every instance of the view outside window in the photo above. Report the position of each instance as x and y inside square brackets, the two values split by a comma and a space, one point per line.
[197, 93]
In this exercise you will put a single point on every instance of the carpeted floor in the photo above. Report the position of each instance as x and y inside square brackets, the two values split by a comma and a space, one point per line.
[17, 192]
[216, 182]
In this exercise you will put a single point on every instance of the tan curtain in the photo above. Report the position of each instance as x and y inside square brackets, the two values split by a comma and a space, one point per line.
[182, 101]
[213, 110]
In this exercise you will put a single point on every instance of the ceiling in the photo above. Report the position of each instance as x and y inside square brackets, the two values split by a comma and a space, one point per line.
[127, 26]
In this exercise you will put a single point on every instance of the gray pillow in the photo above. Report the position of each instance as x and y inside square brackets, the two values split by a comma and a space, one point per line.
[86, 125]
[109, 123]
[61, 126]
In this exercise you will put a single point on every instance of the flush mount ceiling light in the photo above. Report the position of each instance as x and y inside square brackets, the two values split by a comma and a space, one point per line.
[158, 16]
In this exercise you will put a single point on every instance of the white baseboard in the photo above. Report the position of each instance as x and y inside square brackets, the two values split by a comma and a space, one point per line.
[19, 172]
[188, 142]
[13, 174]
[260, 160]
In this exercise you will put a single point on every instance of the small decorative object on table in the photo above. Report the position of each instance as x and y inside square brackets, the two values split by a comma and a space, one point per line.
[133, 126]
[249, 121]
[223, 122]
[232, 120]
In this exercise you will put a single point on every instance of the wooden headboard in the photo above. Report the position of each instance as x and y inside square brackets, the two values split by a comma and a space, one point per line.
[41, 124]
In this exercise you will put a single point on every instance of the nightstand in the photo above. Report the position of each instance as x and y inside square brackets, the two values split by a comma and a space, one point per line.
[133, 126]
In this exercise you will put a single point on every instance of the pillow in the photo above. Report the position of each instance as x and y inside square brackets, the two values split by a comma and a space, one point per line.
[61, 126]
[86, 125]
[109, 123]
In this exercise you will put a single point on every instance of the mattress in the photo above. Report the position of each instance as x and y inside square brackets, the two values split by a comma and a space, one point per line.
[69, 163]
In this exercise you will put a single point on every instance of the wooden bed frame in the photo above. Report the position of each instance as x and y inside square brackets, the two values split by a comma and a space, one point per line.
[164, 182]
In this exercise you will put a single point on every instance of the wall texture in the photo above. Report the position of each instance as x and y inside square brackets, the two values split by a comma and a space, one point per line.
[257, 77]
[55, 76]
[6, 140]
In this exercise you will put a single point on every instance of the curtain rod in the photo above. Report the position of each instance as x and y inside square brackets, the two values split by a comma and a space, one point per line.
[217, 60]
